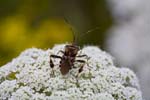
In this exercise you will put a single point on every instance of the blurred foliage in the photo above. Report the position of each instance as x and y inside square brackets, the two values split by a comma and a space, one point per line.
[40, 23]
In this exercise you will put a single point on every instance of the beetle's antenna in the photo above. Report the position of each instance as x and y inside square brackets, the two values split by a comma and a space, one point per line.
[89, 31]
[75, 38]
[73, 32]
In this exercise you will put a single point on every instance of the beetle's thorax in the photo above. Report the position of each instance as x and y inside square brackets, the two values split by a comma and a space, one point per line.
[71, 50]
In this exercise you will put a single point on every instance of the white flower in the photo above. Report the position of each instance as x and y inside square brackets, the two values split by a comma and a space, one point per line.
[30, 77]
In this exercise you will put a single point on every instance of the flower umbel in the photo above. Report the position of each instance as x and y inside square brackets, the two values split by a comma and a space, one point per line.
[29, 77]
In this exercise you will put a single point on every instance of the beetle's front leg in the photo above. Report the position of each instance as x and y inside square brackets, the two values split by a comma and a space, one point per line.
[51, 62]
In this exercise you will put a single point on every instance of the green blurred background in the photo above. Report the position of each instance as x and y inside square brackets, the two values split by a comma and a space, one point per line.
[40, 23]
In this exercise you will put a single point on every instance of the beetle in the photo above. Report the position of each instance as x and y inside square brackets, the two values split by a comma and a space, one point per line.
[69, 56]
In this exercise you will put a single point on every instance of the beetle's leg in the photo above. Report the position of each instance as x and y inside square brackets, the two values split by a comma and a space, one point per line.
[81, 68]
[51, 62]
[55, 56]
[60, 52]
[82, 56]
[80, 61]
[84, 62]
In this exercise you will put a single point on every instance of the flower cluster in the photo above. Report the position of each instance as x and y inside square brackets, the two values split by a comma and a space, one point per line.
[30, 77]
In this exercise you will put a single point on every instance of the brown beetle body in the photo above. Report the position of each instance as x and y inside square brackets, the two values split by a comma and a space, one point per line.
[68, 58]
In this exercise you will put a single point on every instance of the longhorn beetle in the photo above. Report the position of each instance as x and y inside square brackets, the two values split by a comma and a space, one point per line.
[69, 54]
